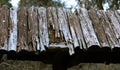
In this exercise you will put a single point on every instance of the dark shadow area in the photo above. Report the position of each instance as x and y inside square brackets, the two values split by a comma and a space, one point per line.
[115, 55]
[61, 60]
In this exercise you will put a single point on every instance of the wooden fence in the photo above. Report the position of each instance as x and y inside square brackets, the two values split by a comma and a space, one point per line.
[36, 27]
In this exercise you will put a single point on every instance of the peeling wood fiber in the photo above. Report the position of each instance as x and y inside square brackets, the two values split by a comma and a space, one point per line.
[40, 27]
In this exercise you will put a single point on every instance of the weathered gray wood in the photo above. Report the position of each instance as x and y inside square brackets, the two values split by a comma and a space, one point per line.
[36, 27]
[64, 27]
[12, 45]
[117, 15]
[33, 40]
[43, 28]
[114, 23]
[52, 19]
[4, 23]
[76, 30]
[22, 29]
[108, 29]
[55, 34]
[98, 28]
[87, 28]
[72, 21]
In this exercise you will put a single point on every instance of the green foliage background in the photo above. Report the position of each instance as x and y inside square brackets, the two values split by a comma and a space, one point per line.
[5, 2]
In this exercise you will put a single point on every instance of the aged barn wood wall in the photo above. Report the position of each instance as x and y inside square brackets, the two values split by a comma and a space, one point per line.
[35, 28]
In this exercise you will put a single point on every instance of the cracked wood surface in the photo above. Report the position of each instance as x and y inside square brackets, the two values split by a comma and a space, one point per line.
[98, 28]
[40, 27]
[22, 29]
[4, 29]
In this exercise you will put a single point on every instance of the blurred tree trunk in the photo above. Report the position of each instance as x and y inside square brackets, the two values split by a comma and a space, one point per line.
[22, 3]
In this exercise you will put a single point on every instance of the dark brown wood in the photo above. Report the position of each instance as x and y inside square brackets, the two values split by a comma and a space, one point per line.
[4, 26]
[22, 29]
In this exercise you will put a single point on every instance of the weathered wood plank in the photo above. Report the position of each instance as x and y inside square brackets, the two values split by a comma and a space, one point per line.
[76, 30]
[98, 28]
[87, 28]
[51, 24]
[4, 23]
[33, 40]
[114, 23]
[71, 20]
[57, 27]
[64, 27]
[12, 45]
[55, 34]
[117, 15]
[43, 28]
[108, 29]
[22, 29]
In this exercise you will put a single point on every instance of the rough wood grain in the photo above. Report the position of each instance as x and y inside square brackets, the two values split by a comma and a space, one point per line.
[108, 29]
[22, 29]
[33, 40]
[43, 28]
[72, 21]
[98, 28]
[87, 28]
[4, 23]
[76, 30]
[12, 45]
[64, 27]
[117, 15]
[55, 34]
[34, 28]
[114, 23]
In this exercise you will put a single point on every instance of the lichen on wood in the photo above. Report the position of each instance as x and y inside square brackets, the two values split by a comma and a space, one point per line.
[40, 28]
[33, 41]
[87, 28]
[22, 29]
[64, 27]
[12, 45]
[108, 29]
[98, 28]
[4, 27]
[43, 28]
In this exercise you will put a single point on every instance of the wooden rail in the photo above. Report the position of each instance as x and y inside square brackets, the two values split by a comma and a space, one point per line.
[35, 28]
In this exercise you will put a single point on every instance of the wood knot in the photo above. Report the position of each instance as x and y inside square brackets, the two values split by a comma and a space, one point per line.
[70, 41]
